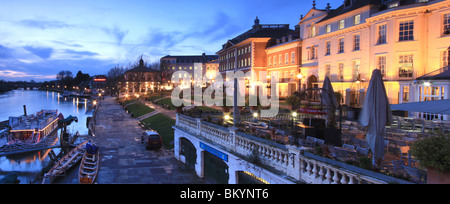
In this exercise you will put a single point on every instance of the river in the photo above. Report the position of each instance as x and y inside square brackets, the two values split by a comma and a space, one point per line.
[11, 104]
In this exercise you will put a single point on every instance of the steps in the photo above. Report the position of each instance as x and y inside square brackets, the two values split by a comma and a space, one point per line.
[147, 115]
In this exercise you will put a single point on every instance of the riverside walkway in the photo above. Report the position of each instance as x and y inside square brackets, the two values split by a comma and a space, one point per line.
[124, 159]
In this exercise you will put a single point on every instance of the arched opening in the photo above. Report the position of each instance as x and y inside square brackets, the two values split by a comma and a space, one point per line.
[189, 152]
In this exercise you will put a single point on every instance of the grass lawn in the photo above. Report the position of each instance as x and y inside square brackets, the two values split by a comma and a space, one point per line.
[139, 109]
[155, 97]
[167, 101]
[163, 125]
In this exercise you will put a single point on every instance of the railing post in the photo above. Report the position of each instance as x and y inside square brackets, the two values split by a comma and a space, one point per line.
[293, 162]
[233, 137]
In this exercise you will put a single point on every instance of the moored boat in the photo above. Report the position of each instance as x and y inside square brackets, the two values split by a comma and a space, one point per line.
[69, 160]
[33, 128]
[89, 168]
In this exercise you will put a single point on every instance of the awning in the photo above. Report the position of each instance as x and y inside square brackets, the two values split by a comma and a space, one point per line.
[436, 107]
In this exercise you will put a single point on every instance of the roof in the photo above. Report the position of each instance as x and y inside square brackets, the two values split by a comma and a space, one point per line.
[437, 107]
[151, 132]
[262, 31]
[441, 76]
[193, 58]
[356, 4]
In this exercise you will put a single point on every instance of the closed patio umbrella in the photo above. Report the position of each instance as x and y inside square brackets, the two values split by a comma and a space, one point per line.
[376, 114]
[329, 99]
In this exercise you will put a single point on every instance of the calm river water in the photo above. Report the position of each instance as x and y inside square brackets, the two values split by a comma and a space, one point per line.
[11, 104]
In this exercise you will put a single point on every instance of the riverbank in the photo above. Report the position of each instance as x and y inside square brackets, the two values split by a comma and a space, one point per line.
[123, 157]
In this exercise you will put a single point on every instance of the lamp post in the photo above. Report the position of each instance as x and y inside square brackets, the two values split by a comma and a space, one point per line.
[294, 128]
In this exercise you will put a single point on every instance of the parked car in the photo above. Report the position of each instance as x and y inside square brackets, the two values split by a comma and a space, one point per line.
[151, 139]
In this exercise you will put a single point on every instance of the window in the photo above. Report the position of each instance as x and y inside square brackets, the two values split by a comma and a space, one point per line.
[341, 24]
[447, 23]
[444, 58]
[313, 31]
[327, 70]
[274, 60]
[356, 70]
[280, 57]
[406, 30]
[341, 45]
[328, 28]
[328, 48]
[313, 53]
[286, 58]
[356, 42]
[293, 57]
[357, 19]
[405, 94]
[270, 61]
[381, 62]
[341, 71]
[382, 34]
[405, 66]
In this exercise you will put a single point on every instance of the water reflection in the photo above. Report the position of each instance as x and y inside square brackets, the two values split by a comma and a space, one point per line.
[11, 104]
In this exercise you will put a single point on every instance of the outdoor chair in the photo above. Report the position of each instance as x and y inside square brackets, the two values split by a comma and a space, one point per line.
[419, 123]
[348, 146]
[404, 151]
[320, 142]
[398, 165]
[428, 124]
[445, 128]
[362, 151]
[416, 175]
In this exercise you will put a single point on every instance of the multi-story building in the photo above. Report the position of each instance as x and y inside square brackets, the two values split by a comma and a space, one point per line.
[285, 58]
[190, 64]
[141, 80]
[404, 39]
[247, 52]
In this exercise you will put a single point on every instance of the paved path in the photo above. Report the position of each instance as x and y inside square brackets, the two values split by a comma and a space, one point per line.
[123, 157]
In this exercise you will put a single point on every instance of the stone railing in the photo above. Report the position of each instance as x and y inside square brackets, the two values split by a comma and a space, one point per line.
[292, 161]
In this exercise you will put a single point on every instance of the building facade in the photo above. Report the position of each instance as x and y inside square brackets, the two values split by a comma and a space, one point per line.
[140, 81]
[397, 37]
[192, 65]
[247, 52]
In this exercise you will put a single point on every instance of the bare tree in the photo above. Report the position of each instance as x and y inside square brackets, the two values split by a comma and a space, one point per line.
[116, 77]
[163, 73]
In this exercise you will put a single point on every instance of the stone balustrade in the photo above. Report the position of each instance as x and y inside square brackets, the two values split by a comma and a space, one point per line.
[291, 161]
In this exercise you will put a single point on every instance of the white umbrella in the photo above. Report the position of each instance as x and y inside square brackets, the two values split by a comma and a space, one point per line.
[376, 114]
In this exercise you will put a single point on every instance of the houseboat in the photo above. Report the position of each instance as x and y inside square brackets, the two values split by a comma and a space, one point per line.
[33, 128]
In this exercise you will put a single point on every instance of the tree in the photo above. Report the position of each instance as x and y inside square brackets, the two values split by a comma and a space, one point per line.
[65, 79]
[165, 73]
[80, 77]
[115, 77]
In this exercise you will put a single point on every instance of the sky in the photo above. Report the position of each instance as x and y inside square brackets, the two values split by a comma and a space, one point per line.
[39, 38]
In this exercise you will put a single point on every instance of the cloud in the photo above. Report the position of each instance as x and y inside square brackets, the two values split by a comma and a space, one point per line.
[42, 24]
[5, 52]
[42, 52]
[158, 38]
[117, 33]
[18, 74]
[80, 53]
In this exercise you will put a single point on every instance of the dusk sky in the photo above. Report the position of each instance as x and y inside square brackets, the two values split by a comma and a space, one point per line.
[39, 38]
